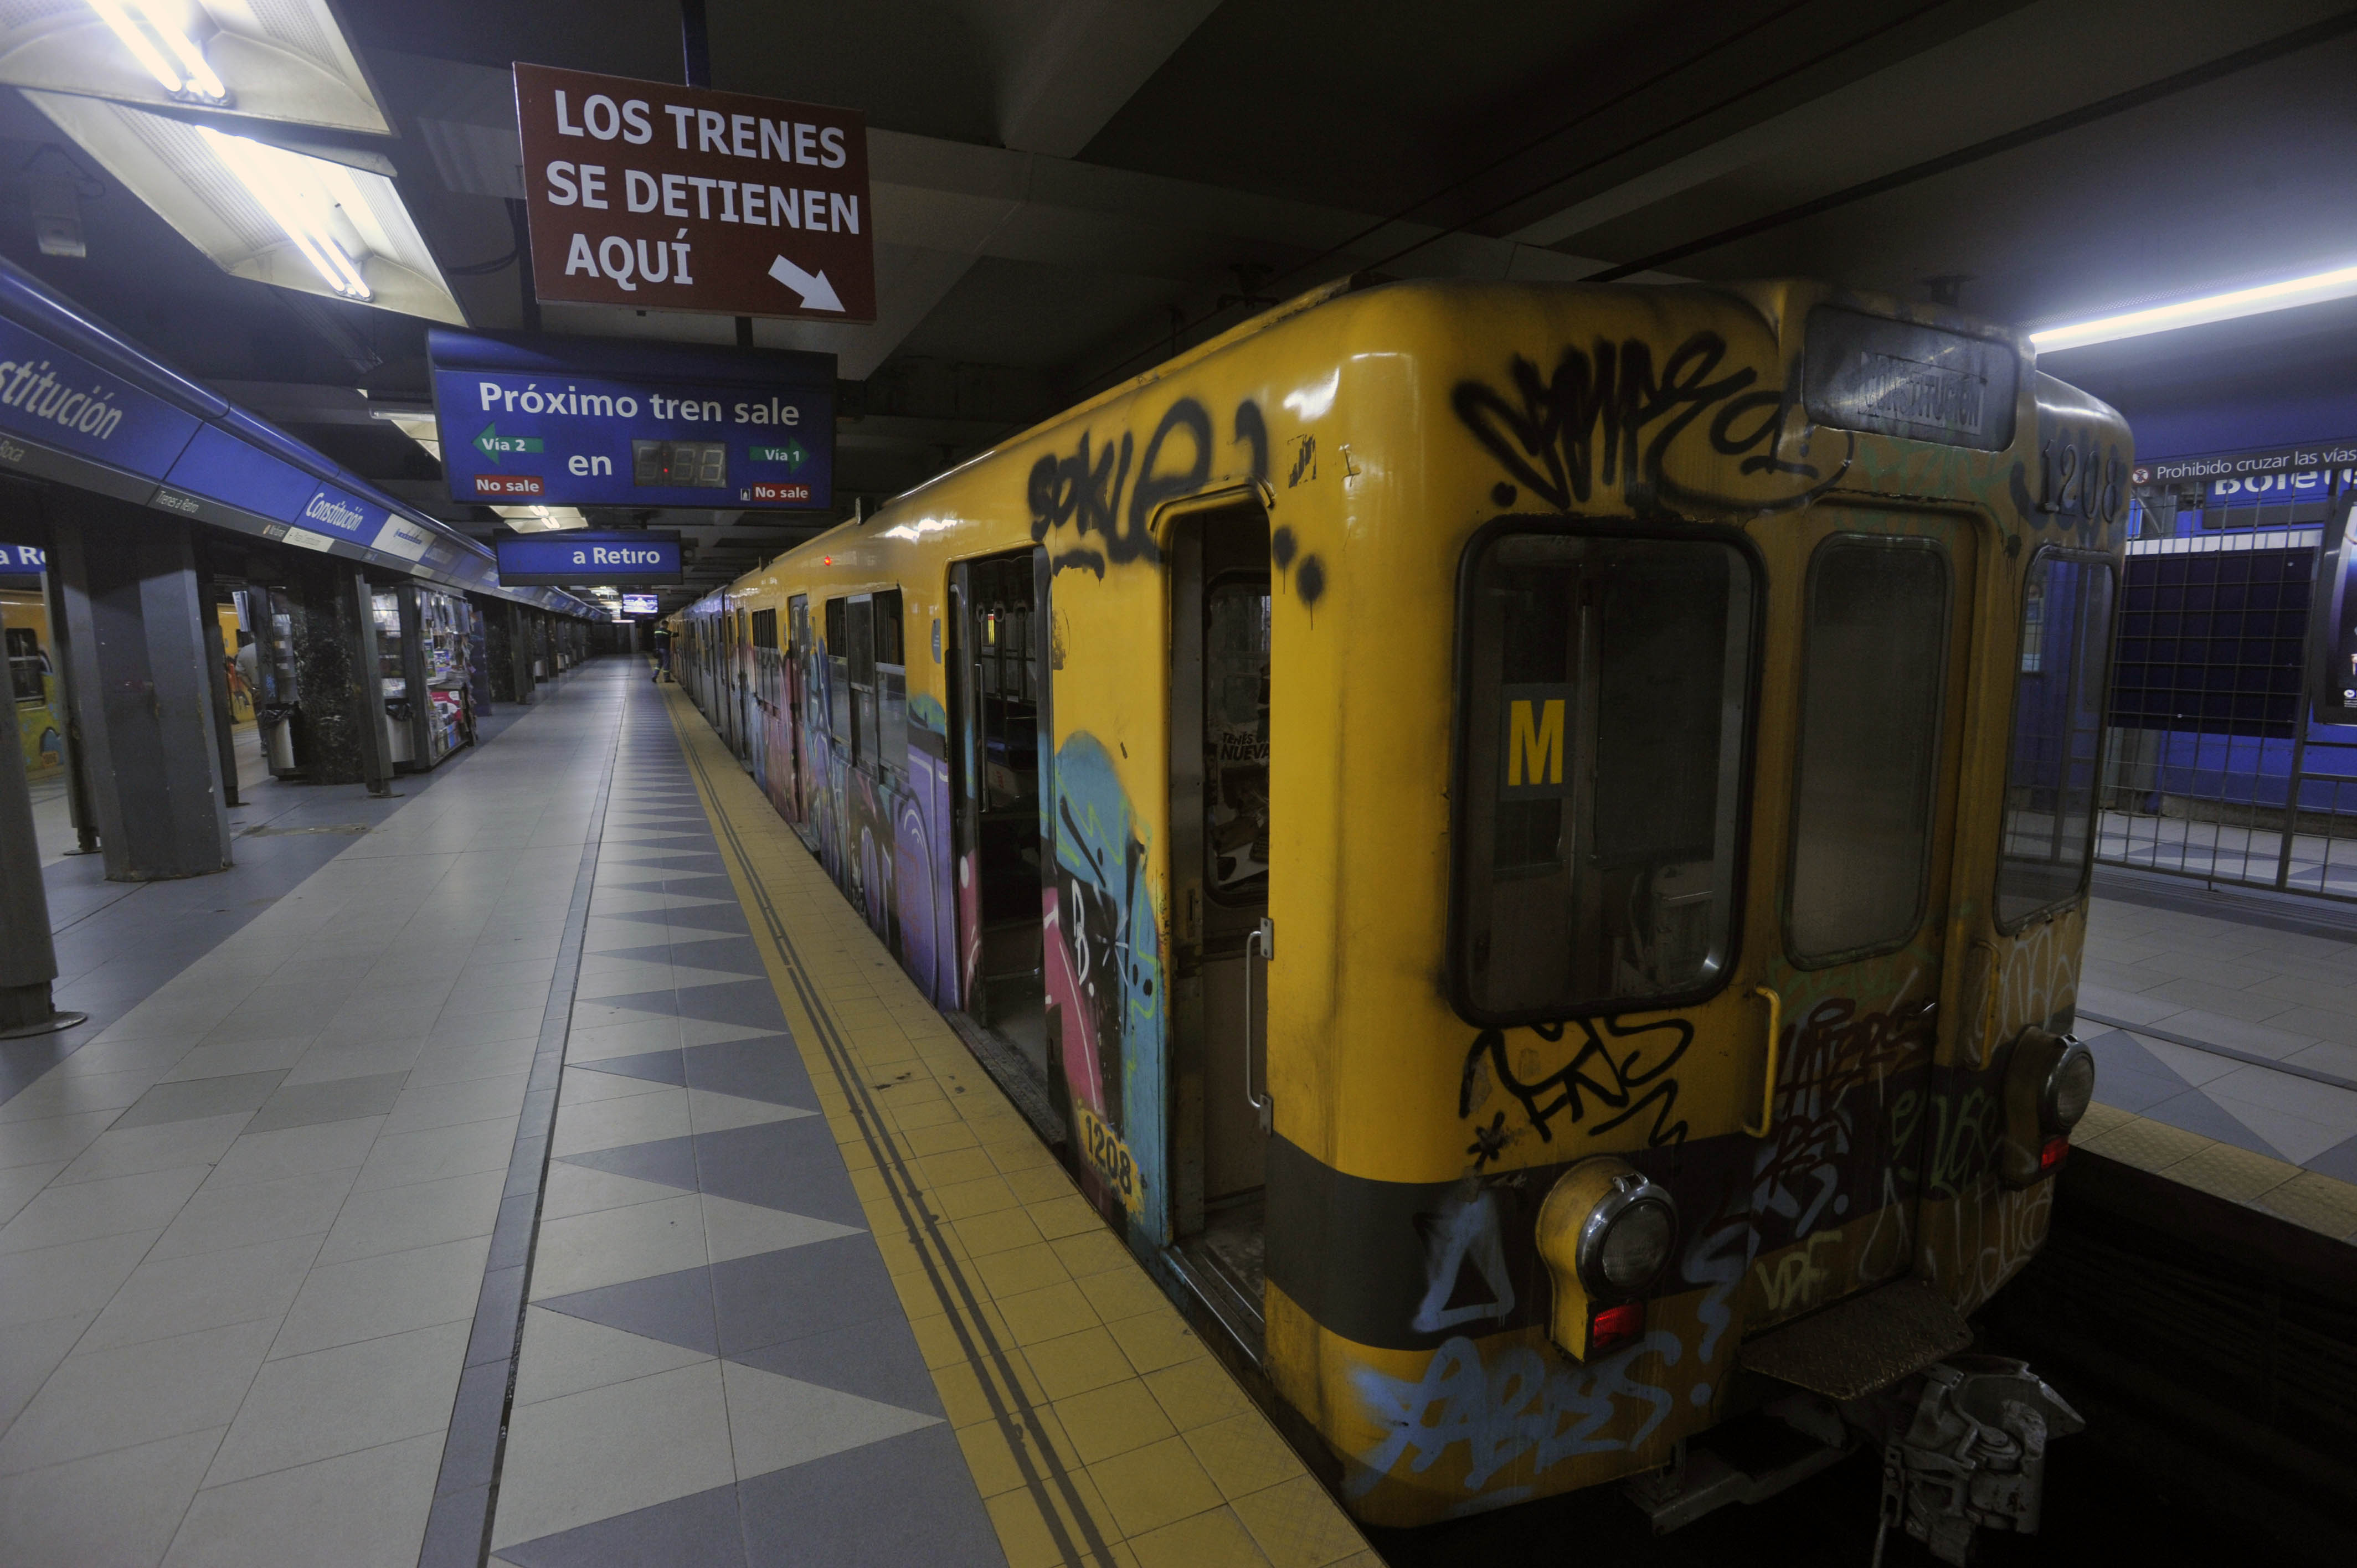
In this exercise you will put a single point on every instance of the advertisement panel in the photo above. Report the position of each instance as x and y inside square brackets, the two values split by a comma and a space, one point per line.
[594, 422]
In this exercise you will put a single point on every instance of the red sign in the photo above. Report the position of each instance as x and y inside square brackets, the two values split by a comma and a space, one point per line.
[662, 197]
[508, 485]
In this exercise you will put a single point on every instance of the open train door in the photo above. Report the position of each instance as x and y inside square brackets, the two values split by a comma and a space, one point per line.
[1220, 676]
[997, 655]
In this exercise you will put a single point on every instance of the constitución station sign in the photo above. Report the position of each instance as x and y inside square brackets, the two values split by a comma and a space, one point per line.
[661, 198]
[599, 422]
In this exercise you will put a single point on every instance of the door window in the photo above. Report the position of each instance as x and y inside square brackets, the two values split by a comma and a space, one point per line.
[838, 673]
[2057, 715]
[891, 684]
[1235, 738]
[1875, 644]
[1606, 687]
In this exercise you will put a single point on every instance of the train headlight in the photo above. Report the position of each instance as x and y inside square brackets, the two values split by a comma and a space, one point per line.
[1606, 1232]
[2069, 1088]
[2049, 1081]
[1629, 1237]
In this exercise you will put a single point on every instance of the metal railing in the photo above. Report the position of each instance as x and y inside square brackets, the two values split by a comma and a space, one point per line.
[2212, 768]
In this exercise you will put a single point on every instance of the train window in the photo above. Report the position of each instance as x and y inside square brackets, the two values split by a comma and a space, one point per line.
[2057, 751]
[1607, 681]
[1874, 646]
[838, 673]
[891, 684]
[765, 629]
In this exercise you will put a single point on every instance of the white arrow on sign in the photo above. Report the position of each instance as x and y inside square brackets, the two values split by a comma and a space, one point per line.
[817, 293]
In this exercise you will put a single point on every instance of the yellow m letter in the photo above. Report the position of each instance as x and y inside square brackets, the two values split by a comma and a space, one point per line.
[1534, 743]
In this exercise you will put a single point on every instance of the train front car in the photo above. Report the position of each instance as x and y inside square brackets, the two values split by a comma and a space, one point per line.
[1532, 838]
[1686, 707]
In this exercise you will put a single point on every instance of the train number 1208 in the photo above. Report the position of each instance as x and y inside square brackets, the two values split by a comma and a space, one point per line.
[1111, 1157]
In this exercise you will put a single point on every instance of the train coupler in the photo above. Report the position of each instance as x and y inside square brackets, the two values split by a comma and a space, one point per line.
[1964, 1449]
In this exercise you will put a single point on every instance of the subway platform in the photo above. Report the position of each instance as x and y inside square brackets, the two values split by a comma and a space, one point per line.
[547, 1167]
[2225, 1028]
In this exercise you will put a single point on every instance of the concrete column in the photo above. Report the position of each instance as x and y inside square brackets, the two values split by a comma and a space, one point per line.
[217, 670]
[376, 752]
[27, 960]
[499, 649]
[330, 680]
[141, 694]
[79, 810]
[521, 649]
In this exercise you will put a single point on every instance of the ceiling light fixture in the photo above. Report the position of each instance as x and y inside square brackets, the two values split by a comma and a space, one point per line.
[2314, 289]
[288, 186]
[542, 518]
[178, 65]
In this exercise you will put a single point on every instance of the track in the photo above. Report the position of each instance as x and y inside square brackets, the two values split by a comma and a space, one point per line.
[2212, 1357]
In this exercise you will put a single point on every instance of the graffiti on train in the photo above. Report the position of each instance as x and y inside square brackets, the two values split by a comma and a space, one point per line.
[1621, 1068]
[1850, 1087]
[1520, 1404]
[1104, 979]
[1106, 491]
[1608, 419]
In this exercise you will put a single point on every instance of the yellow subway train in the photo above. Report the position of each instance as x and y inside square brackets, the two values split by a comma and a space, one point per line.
[1532, 839]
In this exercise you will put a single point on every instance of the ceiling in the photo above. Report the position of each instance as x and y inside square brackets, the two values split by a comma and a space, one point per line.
[1066, 190]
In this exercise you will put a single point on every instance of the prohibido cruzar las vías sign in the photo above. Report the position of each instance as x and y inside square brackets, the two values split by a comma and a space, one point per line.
[662, 197]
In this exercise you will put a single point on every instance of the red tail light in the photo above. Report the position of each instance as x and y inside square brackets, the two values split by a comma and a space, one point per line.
[2051, 1154]
[1615, 1326]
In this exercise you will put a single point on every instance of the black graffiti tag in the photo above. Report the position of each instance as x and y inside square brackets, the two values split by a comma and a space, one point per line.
[1844, 1085]
[1084, 488]
[1598, 1069]
[1586, 426]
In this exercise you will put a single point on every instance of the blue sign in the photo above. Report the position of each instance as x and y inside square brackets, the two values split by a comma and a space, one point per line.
[641, 605]
[341, 515]
[31, 558]
[573, 557]
[62, 400]
[592, 421]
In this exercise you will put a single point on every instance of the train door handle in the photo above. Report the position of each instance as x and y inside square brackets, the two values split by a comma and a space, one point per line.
[1768, 1081]
[1261, 943]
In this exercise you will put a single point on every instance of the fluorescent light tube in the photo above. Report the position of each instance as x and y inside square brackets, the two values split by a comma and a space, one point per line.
[2313, 289]
[143, 48]
[202, 81]
[278, 182]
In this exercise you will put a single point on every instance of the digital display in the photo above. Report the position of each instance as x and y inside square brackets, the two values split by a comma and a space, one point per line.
[680, 464]
[639, 604]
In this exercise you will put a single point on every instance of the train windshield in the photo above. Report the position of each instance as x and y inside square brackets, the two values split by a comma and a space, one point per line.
[1603, 712]
[2058, 716]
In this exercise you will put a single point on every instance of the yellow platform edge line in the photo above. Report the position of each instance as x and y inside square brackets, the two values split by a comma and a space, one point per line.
[1097, 1427]
[2309, 1199]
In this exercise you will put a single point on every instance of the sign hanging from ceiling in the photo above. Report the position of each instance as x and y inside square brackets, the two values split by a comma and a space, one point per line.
[662, 197]
[601, 422]
[576, 557]
[640, 605]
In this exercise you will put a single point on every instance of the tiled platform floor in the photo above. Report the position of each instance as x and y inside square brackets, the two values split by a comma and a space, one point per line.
[552, 1072]
[2162, 957]
[248, 1221]
[901, 1336]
